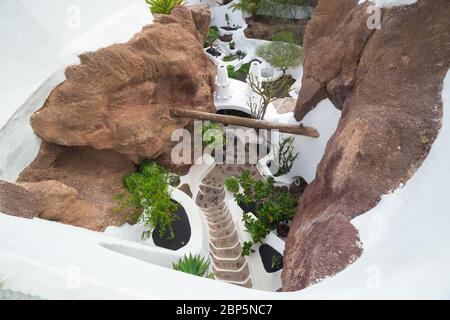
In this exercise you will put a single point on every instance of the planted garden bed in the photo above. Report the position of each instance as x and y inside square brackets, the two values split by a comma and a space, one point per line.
[233, 56]
[181, 229]
[272, 260]
[226, 37]
[269, 205]
[227, 28]
[214, 52]
[265, 28]
[240, 74]
[284, 83]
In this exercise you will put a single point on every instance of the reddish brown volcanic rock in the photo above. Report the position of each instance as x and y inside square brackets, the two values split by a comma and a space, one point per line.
[389, 84]
[113, 110]
[17, 201]
[71, 185]
[75, 185]
[118, 98]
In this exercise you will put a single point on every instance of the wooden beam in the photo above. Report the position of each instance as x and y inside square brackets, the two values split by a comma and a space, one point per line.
[245, 122]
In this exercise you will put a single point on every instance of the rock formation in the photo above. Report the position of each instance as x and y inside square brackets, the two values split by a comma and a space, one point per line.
[388, 84]
[72, 185]
[118, 97]
[110, 113]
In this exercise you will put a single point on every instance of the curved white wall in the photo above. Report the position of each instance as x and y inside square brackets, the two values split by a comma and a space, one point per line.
[405, 237]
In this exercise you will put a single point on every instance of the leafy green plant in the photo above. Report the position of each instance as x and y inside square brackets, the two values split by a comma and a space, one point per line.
[249, 6]
[230, 57]
[231, 72]
[163, 6]
[286, 35]
[212, 36]
[276, 262]
[194, 265]
[286, 156]
[258, 231]
[281, 55]
[272, 205]
[240, 73]
[232, 45]
[247, 248]
[232, 184]
[212, 134]
[256, 227]
[148, 200]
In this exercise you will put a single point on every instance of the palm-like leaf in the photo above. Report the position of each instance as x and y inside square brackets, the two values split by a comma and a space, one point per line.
[193, 265]
[163, 6]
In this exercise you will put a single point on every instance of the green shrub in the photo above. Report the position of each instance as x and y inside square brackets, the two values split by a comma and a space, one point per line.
[281, 55]
[240, 73]
[163, 6]
[258, 231]
[232, 45]
[212, 134]
[256, 227]
[285, 36]
[272, 205]
[148, 200]
[194, 265]
[230, 57]
[249, 6]
[245, 68]
[286, 156]
[212, 36]
[231, 72]
[232, 184]
[247, 248]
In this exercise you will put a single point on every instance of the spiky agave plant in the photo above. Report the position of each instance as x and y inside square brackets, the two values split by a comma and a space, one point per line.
[163, 6]
[195, 265]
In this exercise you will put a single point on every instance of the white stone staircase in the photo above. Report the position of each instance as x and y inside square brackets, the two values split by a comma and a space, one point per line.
[225, 248]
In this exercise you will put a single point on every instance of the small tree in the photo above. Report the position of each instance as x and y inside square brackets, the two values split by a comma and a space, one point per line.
[281, 55]
[213, 35]
[267, 92]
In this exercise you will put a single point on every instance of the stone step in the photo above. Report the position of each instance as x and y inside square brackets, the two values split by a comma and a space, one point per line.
[221, 224]
[217, 217]
[210, 200]
[238, 276]
[227, 252]
[230, 264]
[223, 232]
[205, 189]
[220, 207]
[246, 283]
